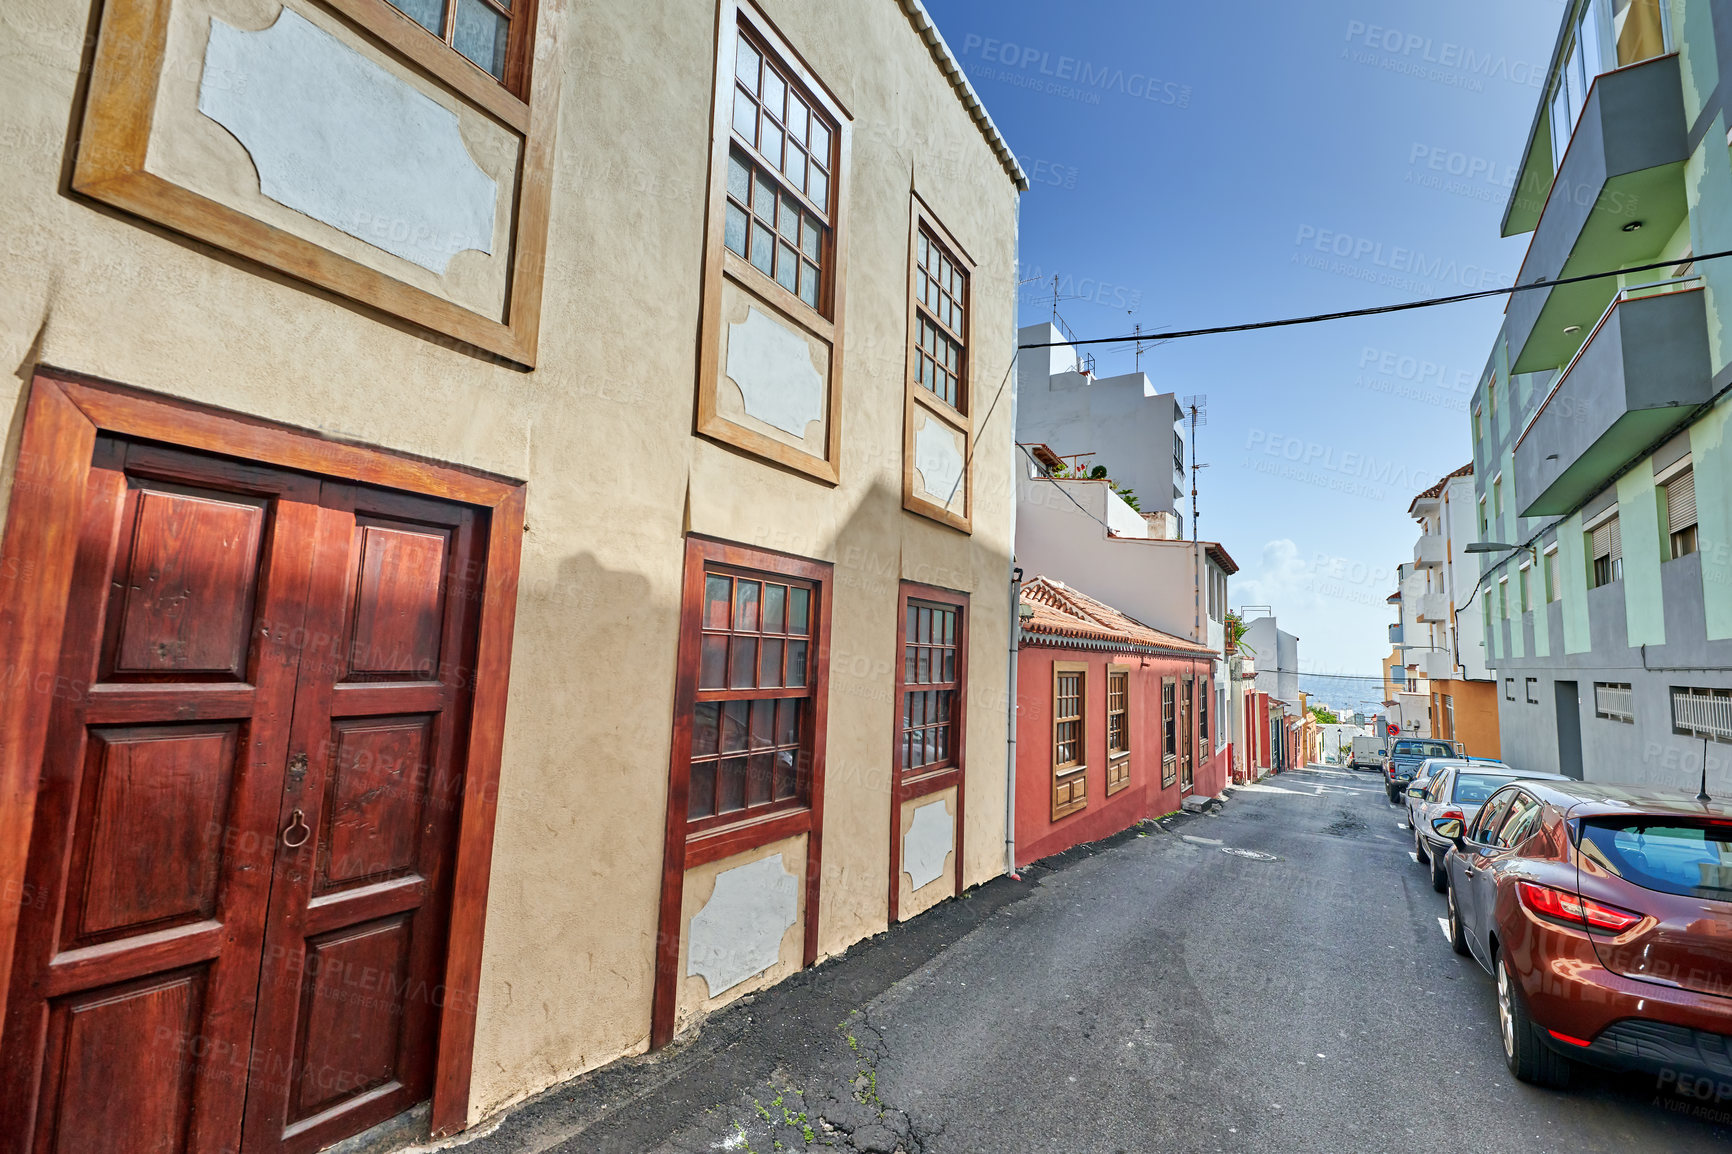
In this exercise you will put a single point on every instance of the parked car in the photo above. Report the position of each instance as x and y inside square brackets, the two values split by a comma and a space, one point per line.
[1402, 765]
[1368, 753]
[1457, 789]
[1605, 916]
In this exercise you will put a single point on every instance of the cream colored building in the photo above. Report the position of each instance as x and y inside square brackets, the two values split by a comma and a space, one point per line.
[508, 534]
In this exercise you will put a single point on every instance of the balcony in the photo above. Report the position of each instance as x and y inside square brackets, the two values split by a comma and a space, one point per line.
[1433, 608]
[1430, 552]
[1395, 633]
[1616, 200]
[1435, 664]
[1642, 371]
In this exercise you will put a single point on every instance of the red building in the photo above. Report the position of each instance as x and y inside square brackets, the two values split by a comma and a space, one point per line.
[1114, 721]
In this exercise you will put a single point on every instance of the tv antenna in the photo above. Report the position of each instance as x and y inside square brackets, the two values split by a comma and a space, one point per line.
[1197, 413]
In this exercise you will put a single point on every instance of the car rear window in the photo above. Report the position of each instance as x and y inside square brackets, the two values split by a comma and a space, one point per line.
[1474, 788]
[1423, 749]
[1671, 855]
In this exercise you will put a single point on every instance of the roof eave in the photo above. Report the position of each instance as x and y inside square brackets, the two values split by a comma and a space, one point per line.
[952, 69]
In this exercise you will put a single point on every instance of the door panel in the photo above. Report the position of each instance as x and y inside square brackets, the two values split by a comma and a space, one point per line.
[134, 981]
[353, 959]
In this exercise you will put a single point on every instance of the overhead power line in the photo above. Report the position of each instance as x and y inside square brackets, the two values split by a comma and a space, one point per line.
[1379, 309]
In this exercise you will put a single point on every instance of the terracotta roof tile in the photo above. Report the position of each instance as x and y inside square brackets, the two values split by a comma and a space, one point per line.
[1060, 611]
[1437, 489]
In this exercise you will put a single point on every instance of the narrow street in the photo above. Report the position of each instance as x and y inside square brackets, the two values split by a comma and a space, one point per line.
[1270, 979]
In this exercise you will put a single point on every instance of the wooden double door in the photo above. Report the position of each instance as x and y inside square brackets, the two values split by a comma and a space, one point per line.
[239, 875]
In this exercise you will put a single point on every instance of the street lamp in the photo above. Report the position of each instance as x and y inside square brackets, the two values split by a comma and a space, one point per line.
[1501, 547]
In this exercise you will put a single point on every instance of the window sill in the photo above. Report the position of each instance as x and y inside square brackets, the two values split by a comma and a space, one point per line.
[724, 841]
[1068, 771]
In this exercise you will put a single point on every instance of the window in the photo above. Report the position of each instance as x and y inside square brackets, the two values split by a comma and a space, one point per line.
[1533, 690]
[1614, 701]
[753, 713]
[1491, 401]
[1608, 553]
[1118, 728]
[1702, 712]
[941, 298]
[1203, 716]
[780, 162]
[774, 245]
[1522, 579]
[1187, 734]
[1553, 591]
[1484, 524]
[1509, 689]
[1523, 820]
[1681, 513]
[1491, 816]
[1169, 732]
[1449, 717]
[939, 371]
[1069, 733]
[930, 682]
[1478, 426]
[488, 33]
[1497, 499]
[1503, 597]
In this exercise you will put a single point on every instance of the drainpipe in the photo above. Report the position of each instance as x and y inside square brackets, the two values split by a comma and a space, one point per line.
[1010, 740]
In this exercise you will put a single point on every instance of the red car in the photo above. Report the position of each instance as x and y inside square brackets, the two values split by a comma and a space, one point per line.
[1605, 914]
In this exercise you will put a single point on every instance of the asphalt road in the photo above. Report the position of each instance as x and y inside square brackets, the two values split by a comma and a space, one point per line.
[1158, 993]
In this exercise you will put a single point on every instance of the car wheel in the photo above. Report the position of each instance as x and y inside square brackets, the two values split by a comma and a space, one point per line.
[1439, 876]
[1524, 1051]
[1457, 938]
[1419, 848]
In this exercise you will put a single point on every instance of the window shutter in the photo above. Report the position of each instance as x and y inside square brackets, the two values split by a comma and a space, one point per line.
[1603, 540]
[1681, 502]
[1617, 552]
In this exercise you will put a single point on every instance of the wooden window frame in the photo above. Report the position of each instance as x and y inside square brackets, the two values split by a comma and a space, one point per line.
[1119, 759]
[684, 848]
[115, 132]
[1070, 779]
[1169, 732]
[452, 65]
[66, 412]
[824, 324]
[906, 785]
[1187, 732]
[922, 401]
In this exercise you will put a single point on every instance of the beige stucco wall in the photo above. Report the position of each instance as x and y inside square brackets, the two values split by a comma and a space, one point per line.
[601, 432]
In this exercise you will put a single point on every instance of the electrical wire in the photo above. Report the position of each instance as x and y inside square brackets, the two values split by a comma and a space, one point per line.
[969, 459]
[1379, 310]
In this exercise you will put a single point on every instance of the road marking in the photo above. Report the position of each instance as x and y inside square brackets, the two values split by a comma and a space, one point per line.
[1443, 924]
[1195, 840]
[1413, 857]
[1400, 825]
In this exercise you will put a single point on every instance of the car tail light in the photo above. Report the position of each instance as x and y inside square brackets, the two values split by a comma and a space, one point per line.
[1568, 907]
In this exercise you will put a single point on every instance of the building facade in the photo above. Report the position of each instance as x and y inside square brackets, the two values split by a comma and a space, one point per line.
[442, 556]
[1441, 648]
[1114, 723]
[1597, 424]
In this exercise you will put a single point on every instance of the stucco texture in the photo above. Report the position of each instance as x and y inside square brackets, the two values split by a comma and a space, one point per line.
[602, 433]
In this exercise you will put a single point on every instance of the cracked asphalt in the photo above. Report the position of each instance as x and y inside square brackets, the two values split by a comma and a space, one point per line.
[1163, 990]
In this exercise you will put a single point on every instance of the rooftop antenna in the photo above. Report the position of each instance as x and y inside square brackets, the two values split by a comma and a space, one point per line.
[1137, 360]
[1196, 412]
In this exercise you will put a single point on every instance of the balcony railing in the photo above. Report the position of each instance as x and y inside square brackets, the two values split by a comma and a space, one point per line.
[1433, 607]
[1702, 714]
[1430, 551]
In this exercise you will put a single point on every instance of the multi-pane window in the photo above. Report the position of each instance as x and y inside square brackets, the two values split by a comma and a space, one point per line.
[1553, 592]
[1524, 579]
[940, 321]
[1067, 721]
[1169, 731]
[929, 681]
[1118, 712]
[479, 29]
[1681, 513]
[753, 711]
[1069, 734]
[1203, 717]
[1608, 553]
[1187, 736]
[780, 163]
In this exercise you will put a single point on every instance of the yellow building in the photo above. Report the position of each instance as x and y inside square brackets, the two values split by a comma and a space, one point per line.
[507, 538]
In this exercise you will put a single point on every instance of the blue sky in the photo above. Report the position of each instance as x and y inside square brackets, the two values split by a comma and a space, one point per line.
[1200, 164]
